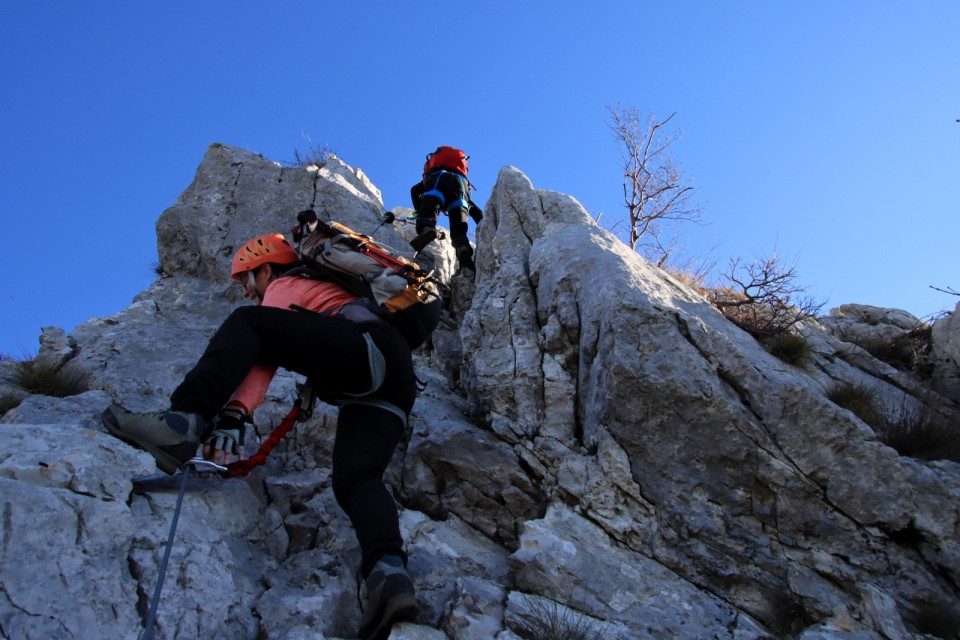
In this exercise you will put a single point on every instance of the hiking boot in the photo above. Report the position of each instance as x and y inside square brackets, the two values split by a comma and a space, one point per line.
[427, 236]
[171, 437]
[465, 257]
[390, 599]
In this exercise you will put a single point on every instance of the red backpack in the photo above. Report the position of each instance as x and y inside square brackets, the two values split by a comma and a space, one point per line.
[449, 158]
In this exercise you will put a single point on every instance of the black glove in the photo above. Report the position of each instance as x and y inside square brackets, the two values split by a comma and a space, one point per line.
[306, 223]
[227, 435]
[307, 216]
[476, 213]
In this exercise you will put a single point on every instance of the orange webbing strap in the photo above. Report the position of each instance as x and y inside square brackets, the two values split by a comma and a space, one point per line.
[373, 250]
[242, 468]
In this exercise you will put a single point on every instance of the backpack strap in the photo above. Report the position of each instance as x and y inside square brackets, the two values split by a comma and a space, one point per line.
[435, 192]
[378, 368]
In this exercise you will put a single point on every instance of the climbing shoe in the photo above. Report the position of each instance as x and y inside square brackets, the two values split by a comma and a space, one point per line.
[171, 437]
[465, 257]
[427, 236]
[390, 599]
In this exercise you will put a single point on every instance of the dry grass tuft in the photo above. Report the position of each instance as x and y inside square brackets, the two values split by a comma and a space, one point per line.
[547, 620]
[49, 380]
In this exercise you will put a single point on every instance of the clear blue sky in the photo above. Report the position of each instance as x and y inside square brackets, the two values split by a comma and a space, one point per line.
[823, 130]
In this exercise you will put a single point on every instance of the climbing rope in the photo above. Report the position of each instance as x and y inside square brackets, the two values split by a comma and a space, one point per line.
[242, 468]
[201, 465]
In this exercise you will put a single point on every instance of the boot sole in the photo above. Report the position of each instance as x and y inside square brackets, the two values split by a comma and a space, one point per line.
[165, 462]
[402, 608]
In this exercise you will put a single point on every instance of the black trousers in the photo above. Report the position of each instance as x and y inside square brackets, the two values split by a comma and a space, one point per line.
[333, 353]
[445, 191]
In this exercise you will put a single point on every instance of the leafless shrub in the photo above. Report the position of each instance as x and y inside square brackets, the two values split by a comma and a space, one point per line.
[313, 157]
[949, 290]
[762, 297]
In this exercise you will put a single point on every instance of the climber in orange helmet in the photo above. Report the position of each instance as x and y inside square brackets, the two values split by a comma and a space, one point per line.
[361, 360]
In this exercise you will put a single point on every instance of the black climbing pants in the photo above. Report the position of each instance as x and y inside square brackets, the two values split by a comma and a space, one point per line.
[333, 353]
[366, 439]
[329, 350]
[449, 192]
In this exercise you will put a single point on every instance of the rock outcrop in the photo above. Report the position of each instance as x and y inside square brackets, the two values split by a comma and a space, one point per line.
[945, 353]
[595, 442]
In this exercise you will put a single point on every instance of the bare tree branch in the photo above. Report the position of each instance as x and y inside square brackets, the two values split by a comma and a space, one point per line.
[948, 289]
[653, 190]
[763, 297]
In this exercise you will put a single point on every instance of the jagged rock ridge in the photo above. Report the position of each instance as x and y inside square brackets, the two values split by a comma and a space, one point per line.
[593, 433]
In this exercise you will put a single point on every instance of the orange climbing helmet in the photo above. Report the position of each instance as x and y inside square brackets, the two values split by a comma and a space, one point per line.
[273, 248]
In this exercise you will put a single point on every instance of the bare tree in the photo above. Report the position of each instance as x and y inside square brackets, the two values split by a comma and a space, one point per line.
[763, 297]
[654, 191]
[947, 290]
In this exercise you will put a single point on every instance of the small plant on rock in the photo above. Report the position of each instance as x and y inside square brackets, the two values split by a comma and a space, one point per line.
[49, 380]
[313, 157]
[920, 432]
[547, 620]
[906, 352]
[790, 347]
[857, 398]
[913, 430]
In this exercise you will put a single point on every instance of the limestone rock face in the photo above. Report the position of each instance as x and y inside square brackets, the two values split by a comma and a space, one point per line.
[901, 339]
[595, 442]
[860, 323]
[236, 196]
[945, 352]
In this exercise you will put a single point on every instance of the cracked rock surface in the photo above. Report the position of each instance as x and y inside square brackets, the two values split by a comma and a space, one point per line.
[594, 440]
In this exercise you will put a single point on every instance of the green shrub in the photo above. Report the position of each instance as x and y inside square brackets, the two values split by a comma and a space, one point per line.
[789, 347]
[49, 380]
[547, 620]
